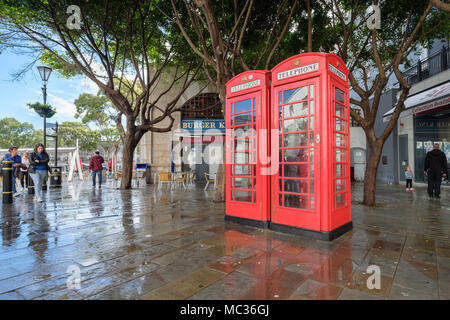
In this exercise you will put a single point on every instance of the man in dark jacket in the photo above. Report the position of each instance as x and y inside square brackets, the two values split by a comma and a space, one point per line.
[435, 168]
[95, 165]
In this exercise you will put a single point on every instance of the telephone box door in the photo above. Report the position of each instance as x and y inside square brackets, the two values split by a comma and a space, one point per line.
[242, 181]
[295, 188]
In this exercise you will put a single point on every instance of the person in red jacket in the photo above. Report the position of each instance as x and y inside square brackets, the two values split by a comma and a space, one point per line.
[96, 167]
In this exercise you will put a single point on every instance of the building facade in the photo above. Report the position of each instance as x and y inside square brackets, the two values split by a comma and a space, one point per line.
[425, 120]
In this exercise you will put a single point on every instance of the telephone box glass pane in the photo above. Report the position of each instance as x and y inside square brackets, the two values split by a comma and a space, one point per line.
[244, 105]
[296, 155]
[297, 186]
[340, 155]
[296, 170]
[245, 196]
[296, 110]
[243, 131]
[340, 185]
[339, 111]
[340, 170]
[296, 94]
[340, 140]
[340, 200]
[243, 118]
[242, 170]
[296, 140]
[339, 95]
[293, 125]
[340, 125]
[241, 157]
[242, 183]
[295, 201]
[242, 144]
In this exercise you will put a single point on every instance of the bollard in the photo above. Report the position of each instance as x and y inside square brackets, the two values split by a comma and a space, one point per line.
[7, 174]
[55, 177]
[30, 184]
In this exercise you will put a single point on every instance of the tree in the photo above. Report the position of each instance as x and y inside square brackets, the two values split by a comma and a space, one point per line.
[125, 47]
[239, 35]
[405, 25]
[15, 133]
[97, 109]
[69, 132]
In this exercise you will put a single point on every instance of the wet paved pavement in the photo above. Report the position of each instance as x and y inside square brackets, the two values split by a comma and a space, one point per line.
[147, 244]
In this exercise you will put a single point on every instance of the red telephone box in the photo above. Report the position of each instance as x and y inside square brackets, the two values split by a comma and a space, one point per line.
[311, 192]
[246, 116]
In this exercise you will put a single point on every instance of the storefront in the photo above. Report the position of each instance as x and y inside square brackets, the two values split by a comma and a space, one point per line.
[424, 122]
[201, 146]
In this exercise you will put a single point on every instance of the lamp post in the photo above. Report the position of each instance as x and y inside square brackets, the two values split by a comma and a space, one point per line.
[45, 74]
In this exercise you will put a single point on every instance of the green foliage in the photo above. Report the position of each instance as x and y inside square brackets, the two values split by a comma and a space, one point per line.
[42, 109]
[69, 132]
[98, 110]
[64, 69]
[15, 133]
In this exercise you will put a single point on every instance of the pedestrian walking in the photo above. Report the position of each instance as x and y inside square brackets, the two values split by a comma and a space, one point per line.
[23, 171]
[109, 167]
[17, 160]
[435, 168]
[39, 160]
[409, 178]
[96, 167]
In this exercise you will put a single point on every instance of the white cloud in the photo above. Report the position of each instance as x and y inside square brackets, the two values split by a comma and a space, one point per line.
[89, 86]
[64, 108]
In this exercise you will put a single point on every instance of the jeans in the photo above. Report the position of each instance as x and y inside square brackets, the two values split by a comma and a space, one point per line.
[99, 173]
[38, 180]
[14, 190]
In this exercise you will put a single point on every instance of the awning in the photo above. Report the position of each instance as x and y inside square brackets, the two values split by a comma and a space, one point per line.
[425, 101]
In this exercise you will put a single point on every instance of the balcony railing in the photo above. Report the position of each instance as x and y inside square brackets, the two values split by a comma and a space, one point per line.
[427, 68]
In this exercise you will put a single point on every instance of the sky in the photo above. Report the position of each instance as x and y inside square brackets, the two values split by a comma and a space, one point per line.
[61, 93]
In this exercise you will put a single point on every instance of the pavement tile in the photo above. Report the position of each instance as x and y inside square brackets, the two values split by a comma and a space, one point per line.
[315, 290]
[186, 286]
[131, 244]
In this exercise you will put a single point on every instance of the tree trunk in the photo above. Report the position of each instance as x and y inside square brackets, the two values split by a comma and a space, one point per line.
[308, 8]
[219, 190]
[370, 178]
[127, 162]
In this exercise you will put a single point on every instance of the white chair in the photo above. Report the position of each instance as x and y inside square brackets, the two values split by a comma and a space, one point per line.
[191, 178]
[210, 178]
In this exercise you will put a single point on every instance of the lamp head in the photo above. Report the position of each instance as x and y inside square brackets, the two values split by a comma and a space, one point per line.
[44, 72]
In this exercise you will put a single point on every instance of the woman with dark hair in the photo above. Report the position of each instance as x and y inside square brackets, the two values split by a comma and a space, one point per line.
[23, 172]
[38, 169]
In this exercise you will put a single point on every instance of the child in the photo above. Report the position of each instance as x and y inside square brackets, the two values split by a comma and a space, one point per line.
[409, 177]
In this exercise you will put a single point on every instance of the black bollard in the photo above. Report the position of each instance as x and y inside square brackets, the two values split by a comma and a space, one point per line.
[7, 174]
[30, 184]
[55, 177]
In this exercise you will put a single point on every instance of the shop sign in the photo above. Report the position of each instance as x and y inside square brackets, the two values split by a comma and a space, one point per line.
[203, 124]
[337, 72]
[298, 71]
[244, 86]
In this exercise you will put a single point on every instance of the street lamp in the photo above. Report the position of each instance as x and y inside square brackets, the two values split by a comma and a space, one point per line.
[45, 74]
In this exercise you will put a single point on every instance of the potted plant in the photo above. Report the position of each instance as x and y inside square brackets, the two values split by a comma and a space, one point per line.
[42, 109]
